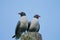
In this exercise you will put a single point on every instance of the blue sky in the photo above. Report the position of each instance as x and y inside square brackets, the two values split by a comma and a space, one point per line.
[49, 10]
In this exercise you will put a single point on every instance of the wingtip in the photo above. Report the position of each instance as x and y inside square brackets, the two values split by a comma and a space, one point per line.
[13, 36]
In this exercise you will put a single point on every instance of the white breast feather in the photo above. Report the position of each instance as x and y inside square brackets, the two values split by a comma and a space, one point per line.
[34, 23]
[24, 22]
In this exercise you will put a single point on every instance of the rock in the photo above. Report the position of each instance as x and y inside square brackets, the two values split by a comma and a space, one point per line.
[31, 36]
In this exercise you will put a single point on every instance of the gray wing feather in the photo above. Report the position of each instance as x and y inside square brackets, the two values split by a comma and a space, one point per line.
[17, 30]
[38, 27]
[17, 27]
[29, 23]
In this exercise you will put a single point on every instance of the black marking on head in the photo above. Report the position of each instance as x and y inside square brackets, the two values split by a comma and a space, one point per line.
[36, 16]
[22, 14]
